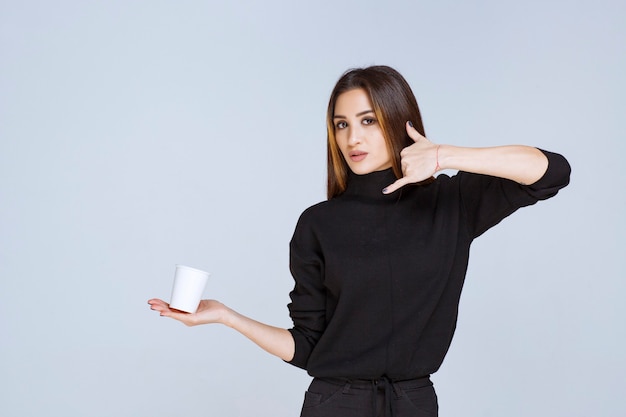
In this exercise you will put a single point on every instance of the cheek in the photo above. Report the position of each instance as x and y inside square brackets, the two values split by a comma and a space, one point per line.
[385, 151]
[341, 141]
[382, 146]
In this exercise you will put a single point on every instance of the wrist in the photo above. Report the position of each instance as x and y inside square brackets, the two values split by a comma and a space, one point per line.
[443, 157]
[229, 317]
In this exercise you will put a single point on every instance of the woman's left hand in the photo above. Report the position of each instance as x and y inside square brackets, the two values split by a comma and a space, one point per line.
[419, 161]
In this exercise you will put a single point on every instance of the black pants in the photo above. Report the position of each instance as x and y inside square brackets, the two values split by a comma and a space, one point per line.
[370, 398]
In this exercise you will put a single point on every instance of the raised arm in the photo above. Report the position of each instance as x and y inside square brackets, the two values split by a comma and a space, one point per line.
[523, 164]
[274, 340]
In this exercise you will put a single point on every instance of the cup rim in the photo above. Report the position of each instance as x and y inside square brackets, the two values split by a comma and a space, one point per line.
[192, 269]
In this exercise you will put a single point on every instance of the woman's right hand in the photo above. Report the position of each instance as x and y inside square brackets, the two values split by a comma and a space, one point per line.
[209, 311]
[275, 340]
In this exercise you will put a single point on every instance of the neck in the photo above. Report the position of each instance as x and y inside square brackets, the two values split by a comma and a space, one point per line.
[369, 185]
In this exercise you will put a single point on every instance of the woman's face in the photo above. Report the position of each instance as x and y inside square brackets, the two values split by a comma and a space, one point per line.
[358, 133]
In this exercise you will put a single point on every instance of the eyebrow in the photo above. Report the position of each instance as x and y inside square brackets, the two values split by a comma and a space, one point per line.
[338, 116]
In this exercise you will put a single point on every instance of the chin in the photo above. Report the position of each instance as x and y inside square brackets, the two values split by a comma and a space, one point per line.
[361, 170]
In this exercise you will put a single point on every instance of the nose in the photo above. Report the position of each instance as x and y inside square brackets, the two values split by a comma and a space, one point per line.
[354, 137]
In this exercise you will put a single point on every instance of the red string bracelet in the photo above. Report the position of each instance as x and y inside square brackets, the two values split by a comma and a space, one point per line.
[437, 167]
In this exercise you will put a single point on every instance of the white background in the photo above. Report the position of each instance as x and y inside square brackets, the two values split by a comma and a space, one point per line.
[135, 135]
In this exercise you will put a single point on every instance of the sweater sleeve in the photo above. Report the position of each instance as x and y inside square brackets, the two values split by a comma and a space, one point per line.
[308, 298]
[487, 200]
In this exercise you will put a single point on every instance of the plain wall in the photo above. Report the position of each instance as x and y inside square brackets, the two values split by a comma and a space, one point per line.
[135, 135]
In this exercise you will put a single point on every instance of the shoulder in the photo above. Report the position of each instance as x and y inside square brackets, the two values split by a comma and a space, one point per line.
[314, 213]
[306, 233]
[443, 182]
[316, 209]
[468, 181]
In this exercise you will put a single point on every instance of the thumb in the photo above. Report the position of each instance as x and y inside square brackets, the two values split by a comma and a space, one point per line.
[396, 185]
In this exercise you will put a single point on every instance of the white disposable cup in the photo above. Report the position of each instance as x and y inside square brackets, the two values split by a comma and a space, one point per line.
[188, 287]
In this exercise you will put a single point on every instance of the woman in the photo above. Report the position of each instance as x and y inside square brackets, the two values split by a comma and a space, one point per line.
[379, 266]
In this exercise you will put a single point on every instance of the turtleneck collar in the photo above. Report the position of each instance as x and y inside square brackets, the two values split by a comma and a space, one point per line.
[370, 185]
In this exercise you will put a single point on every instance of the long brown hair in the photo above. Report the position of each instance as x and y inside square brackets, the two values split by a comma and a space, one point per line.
[394, 104]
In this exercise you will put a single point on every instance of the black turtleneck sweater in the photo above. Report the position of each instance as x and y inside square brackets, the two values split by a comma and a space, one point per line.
[378, 277]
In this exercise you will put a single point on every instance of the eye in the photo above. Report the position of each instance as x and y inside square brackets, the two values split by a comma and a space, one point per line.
[341, 125]
[368, 121]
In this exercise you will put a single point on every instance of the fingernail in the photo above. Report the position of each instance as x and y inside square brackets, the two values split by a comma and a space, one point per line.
[410, 123]
[384, 191]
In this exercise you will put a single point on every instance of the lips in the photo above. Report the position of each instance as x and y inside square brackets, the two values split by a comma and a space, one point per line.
[357, 156]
